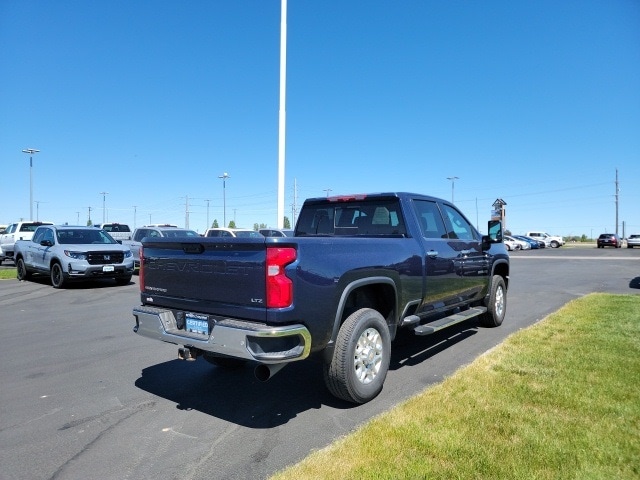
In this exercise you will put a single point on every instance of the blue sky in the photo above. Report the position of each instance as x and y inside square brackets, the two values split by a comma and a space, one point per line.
[534, 102]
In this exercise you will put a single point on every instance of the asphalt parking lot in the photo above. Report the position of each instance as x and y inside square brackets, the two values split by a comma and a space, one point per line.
[84, 397]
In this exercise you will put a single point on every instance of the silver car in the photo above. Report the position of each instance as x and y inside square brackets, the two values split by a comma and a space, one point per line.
[73, 253]
[633, 241]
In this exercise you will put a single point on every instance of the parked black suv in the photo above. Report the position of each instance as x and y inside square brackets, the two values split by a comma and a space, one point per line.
[609, 240]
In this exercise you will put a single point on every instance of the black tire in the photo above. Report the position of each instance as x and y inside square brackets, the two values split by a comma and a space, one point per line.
[554, 244]
[22, 273]
[123, 280]
[361, 357]
[230, 363]
[496, 303]
[57, 275]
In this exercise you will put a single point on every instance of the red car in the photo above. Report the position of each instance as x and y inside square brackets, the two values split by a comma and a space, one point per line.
[609, 240]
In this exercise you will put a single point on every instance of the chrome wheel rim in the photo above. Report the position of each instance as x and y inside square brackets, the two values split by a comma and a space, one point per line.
[499, 304]
[368, 356]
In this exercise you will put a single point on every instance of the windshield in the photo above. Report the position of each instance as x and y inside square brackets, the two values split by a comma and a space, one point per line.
[84, 237]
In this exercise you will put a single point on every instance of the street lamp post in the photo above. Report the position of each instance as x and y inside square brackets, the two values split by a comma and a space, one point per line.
[104, 201]
[31, 152]
[224, 177]
[453, 180]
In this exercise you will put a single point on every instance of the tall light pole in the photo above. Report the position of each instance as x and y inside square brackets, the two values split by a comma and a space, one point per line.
[31, 152]
[282, 115]
[104, 202]
[135, 212]
[453, 180]
[224, 177]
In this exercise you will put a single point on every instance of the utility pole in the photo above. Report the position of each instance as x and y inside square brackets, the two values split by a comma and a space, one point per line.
[186, 212]
[617, 195]
[453, 180]
[89, 221]
[135, 211]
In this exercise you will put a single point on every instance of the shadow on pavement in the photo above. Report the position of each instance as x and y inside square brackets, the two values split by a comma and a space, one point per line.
[236, 396]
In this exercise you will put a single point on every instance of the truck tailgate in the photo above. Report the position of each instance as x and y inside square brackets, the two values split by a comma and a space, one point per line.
[212, 275]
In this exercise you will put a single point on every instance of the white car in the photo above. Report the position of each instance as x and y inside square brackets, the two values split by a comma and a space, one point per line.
[232, 232]
[553, 241]
[523, 245]
[511, 244]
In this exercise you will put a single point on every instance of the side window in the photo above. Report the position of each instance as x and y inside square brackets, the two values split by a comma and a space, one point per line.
[48, 235]
[39, 235]
[430, 220]
[140, 234]
[458, 227]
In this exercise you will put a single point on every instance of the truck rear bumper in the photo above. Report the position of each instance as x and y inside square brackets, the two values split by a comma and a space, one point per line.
[230, 337]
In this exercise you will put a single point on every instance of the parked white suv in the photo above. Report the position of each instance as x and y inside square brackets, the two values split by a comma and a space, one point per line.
[552, 241]
[16, 231]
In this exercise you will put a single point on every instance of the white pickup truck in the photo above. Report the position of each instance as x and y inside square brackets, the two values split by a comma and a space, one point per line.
[552, 241]
[16, 231]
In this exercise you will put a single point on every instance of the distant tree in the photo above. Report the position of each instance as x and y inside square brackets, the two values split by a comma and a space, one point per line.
[508, 232]
[256, 227]
[89, 223]
[232, 224]
[286, 223]
[583, 238]
[215, 223]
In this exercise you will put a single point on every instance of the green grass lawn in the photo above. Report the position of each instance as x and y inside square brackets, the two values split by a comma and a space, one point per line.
[7, 273]
[559, 400]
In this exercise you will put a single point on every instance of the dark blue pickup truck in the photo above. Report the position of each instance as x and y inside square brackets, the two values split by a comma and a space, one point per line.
[359, 271]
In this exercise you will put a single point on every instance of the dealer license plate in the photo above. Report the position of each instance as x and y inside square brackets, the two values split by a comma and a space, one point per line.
[108, 268]
[197, 324]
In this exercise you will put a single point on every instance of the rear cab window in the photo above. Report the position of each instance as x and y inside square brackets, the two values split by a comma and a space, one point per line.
[355, 216]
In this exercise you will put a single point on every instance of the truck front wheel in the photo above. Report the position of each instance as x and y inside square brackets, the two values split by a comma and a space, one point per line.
[57, 275]
[496, 304]
[361, 357]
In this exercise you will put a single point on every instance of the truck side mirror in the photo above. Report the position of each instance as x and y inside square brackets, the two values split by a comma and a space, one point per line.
[495, 231]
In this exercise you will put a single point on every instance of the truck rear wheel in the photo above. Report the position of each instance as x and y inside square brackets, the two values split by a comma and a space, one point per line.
[361, 357]
[21, 270]
[496, 304]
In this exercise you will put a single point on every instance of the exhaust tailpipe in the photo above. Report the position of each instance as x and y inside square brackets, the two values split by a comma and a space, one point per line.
[264, 372]
[188, 353]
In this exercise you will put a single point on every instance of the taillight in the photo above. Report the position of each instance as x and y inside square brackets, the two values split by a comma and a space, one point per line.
[141, 270]
[279, 286]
